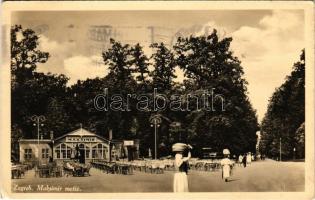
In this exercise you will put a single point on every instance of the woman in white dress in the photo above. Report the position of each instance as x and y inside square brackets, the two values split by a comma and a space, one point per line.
[240, 160]
[180, 183]
[226, 164]
[249, 158]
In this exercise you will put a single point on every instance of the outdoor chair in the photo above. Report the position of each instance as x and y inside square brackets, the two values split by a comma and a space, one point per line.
[130, 169]
[199, 166]
[207, 166]
[161, 168]
[117, 169]
[44, 172]
[147, 167]
[16, 173]
[78, 171]
[171, 165]
[68, 171]
[154, 168]
[124, 169]
[56, 172]
[142, 167]
[86, 170]
[111, 168]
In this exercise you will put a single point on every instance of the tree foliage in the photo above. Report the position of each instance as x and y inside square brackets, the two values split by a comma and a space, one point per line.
[210, 65]
[285, 116]
[206, 61]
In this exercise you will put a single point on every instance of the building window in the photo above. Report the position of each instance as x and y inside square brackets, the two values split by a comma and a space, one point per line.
[104, 152]
[93, 153]
[45, 153]
[99, 151]
[27, 154]
[57, 153]
[87, 154]
[64, 151]
[68, 153]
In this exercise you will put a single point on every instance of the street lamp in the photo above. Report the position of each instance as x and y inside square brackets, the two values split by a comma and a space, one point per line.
[155, 121]
[294, 153]
[110, 137]
[53, 142]
[280, 150]
[38, 122]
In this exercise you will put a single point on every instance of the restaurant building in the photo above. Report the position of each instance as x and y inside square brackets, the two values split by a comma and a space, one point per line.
[80, 144]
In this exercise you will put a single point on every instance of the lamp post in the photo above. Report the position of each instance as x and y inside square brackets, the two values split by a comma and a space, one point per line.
[38, 122]
[110, 137]
[155, 121]
[280, 150]
[294, 153]
[52, 140]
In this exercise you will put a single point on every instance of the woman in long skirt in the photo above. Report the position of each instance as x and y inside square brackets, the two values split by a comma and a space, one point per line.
[249, 158]
[180, 183]
[240, 160]
[226, 164]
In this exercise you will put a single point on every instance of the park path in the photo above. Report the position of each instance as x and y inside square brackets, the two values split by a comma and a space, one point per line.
[265, 175]
[260, 176]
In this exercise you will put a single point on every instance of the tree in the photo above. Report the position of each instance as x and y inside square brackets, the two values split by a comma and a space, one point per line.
[24, 57]
[24, 54]
[33, 97]
[164, 67]
[118, 59]
[119, 81]
[30, 90]
[300, 141]
[206, 60]
[140, 63]
[209, 65]
[285, 114]
[141, 127]
[57, 120]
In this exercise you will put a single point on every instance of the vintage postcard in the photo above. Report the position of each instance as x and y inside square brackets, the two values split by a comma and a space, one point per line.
[155, 100]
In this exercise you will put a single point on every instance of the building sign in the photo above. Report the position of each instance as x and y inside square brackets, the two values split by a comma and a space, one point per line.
[80, 139]
[128, 142]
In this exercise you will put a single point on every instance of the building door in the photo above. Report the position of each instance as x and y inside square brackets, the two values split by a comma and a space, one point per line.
[81, 153]
[130, 153]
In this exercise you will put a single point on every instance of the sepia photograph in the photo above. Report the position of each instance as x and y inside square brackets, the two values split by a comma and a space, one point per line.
[186, 98]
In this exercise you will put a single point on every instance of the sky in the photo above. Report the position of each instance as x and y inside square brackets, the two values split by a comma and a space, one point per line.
[267, 42]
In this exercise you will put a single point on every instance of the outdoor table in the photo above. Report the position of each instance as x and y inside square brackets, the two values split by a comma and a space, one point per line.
[16, 172]
[43, 171]
[55, 171]
[80, 169]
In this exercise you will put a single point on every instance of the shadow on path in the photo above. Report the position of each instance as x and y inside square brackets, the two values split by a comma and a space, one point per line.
[231, 180]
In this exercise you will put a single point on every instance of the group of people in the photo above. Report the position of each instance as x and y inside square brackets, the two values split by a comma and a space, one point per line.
[180, 183]
[246, 159]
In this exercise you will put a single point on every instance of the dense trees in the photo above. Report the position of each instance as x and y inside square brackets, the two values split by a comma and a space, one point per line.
[208, 65]
[32, 92]
[285, 116]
